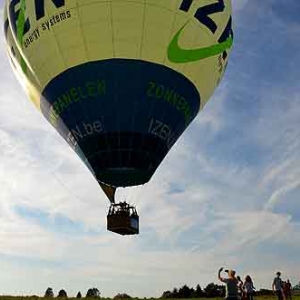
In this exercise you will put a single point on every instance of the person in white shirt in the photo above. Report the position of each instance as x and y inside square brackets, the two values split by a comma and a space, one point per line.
[277, 286]
[240, 287]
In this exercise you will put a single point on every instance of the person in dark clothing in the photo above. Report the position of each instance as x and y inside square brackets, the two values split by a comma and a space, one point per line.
[287, 290]
[277, 286]
[231, 285]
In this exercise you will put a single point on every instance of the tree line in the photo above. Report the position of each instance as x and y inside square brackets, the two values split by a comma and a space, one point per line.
[91, 293]
[212, 290]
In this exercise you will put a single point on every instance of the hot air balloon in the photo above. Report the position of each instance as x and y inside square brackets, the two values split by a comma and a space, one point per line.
[119, 80]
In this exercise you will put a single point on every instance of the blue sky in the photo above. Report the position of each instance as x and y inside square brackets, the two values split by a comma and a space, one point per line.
[227, 194]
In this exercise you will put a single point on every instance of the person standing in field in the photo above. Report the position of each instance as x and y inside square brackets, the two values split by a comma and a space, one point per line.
[240, 288]
[287, 290]
[231, 285]
[248, 288]
[277, 286]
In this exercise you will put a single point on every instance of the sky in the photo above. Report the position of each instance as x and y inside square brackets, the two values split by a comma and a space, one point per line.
[227, 195]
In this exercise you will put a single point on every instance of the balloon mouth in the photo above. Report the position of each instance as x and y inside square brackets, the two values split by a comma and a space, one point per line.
[126, 159]
[124, 177]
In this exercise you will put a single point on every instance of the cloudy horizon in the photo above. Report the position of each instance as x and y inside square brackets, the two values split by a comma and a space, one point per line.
[225, 196]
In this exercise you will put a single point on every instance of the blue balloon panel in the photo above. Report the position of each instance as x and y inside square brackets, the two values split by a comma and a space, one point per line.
[121, 116]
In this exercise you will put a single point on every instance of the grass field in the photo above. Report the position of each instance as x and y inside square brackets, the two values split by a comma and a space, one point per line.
[103, 298]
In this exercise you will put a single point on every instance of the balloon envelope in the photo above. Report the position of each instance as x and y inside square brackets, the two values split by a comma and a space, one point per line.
[119, 80]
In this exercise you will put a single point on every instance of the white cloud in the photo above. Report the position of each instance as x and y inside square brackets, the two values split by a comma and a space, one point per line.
[279, 194]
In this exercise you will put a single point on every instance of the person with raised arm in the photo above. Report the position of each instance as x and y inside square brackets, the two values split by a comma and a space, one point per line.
[231, 284]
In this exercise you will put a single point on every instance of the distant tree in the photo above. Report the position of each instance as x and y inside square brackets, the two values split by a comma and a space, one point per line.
[49, 293]
[122, 296]
[221, 289]
[78, 295]
[175, 293]
[93, 293]
[167, 294]
[198, 292]
[184, 292]
[193, 293]
[62, 294]
[213, 290]
[296, 287]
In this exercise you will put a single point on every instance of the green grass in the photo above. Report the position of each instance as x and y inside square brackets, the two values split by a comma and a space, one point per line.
[103, 298]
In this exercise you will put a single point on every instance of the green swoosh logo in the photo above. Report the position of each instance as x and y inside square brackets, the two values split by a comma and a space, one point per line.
[20, 31]
[177, 54]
